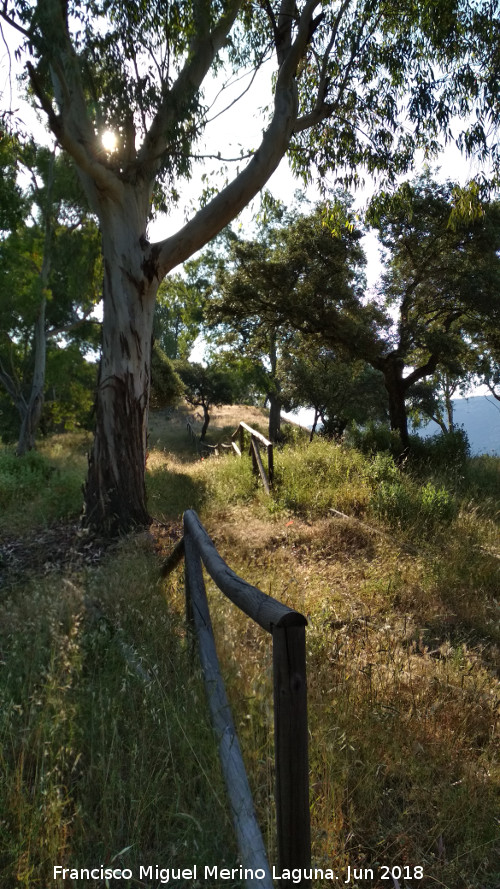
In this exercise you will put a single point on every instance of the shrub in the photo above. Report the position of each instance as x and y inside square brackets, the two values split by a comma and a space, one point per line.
[310, 478]
[374, 438]
[22, 477]
[409, 507]
[442, 452]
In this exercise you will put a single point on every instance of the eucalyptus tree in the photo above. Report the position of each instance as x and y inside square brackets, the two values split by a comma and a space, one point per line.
[49, 277]
[355, 84]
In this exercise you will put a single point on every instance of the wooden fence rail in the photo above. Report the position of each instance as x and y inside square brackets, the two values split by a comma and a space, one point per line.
[256, 440]
[287, 628]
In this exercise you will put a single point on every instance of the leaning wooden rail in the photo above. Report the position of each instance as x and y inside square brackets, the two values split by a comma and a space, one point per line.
[287, 628]
[256, 439]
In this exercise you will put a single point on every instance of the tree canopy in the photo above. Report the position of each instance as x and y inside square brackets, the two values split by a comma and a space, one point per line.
[205, 386]
[440, 288]
[50, 277]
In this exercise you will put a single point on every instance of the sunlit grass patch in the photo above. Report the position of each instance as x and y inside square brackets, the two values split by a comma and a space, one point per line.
[311, 478]
[172, 487]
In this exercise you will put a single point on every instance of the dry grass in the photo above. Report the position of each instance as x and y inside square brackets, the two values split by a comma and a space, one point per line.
[403, 667]
[403, 658]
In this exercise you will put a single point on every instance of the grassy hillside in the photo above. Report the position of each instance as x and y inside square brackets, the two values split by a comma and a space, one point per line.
[107, 753]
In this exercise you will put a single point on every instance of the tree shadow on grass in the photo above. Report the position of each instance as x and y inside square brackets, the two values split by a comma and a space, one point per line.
[171, 493]
[108, 755]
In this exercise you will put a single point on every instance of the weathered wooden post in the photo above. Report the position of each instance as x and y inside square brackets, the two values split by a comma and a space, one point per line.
[257, 463]
[270, 464]
[291, 751]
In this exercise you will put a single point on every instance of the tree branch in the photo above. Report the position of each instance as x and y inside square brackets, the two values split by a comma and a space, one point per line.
[210, 220]
[72, 126]
[200, 59]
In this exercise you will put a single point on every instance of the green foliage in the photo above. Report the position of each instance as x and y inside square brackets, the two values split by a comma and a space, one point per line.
[166, 384]
[374, 438]
[249, 379]
[178, 314]
[205, 387]
[340, 390]
[420, 511]
[38, 489]
[443, 452]
[50, 274]
[12, 199]
[70, 391]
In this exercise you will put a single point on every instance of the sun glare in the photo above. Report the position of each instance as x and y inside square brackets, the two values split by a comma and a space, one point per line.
[109, 140]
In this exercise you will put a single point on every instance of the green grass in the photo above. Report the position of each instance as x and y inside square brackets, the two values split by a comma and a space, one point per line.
[403, 643]
[43, 486]
[107, 754]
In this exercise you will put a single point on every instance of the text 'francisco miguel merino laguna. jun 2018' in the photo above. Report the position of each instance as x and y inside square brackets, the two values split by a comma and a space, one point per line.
[211, 873]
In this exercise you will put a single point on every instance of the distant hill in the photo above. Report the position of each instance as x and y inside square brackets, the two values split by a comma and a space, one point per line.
[480, 417]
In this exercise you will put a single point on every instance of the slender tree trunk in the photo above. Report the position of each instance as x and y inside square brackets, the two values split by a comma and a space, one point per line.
[31, 415]
[274, 417]
[275, 402]
[315, 423]
[32, 410]
[206, 421]
[449, 391]
[115, 494]
[440, 422]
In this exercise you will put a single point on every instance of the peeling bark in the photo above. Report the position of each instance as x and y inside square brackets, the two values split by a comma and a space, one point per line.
[115, 492]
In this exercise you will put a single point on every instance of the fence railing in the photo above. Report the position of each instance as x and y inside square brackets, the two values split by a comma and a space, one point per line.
[287, 628]
[256, 440]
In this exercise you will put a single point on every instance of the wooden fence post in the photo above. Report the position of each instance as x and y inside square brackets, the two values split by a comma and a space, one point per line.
[270, 464]
[188, 581]
[290, 748]
[257, 463]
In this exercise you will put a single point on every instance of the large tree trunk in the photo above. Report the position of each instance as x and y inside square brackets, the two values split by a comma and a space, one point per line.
[115, 494]
[396, 391]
